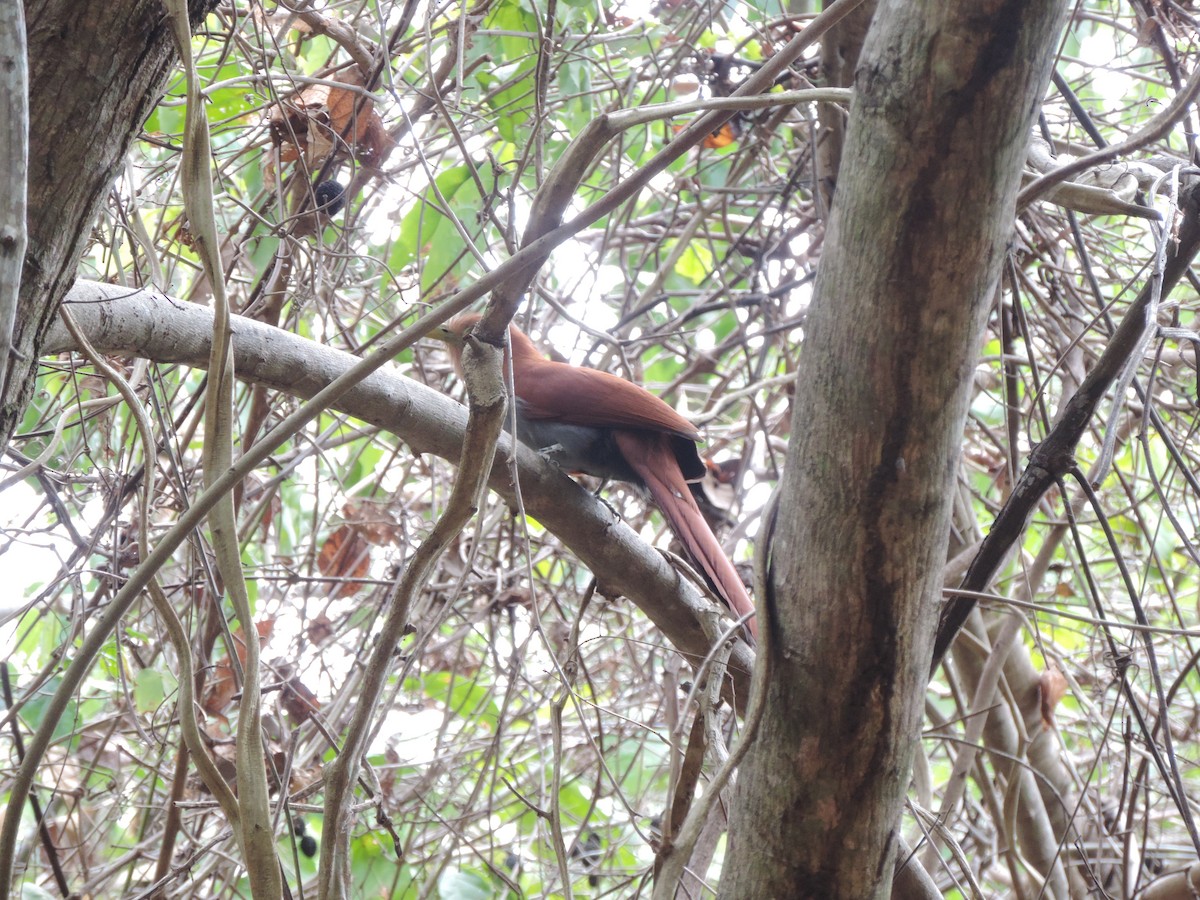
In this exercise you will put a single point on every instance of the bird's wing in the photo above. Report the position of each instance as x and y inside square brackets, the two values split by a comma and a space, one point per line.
[579, 396]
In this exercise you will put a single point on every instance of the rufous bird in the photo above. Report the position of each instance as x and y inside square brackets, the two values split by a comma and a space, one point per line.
[591, 422]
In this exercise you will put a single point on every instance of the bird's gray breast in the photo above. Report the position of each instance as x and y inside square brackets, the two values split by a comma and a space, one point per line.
[575, 448]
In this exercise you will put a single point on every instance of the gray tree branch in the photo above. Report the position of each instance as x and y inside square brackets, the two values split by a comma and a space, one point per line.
[150, 324]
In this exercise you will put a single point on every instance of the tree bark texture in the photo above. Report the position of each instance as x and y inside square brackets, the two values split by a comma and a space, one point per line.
[946, 96]
[96, 70]
[14, 166]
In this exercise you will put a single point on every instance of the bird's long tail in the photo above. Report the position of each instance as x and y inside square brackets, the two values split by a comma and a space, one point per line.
[651, 457]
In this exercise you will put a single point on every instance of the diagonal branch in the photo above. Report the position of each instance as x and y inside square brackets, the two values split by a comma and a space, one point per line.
[1054, 457]
[556, 193]
[147, 323]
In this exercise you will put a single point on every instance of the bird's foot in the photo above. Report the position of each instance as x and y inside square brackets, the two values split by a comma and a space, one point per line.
[612, 509]
[552, 453]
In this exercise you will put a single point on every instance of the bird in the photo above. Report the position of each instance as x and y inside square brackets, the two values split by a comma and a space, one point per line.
[591, 422]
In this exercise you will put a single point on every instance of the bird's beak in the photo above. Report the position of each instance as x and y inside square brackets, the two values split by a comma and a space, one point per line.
[444, 333]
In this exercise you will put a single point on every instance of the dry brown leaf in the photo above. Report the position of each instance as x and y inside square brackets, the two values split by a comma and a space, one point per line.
[222, 686]
[1052, 687]
[346, 554]
[375, 520]
[320, 629]
[219, 688]
[324, 120]
[298, 701]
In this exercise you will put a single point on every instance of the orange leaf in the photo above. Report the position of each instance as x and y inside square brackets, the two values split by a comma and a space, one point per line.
[324, 120]
[1052, 687]
[220, 688]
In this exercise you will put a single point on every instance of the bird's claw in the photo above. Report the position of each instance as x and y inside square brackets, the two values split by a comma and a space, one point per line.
[550, 454]
[612, 509]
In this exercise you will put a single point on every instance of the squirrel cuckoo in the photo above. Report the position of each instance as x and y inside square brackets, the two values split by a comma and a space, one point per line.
[589, 421]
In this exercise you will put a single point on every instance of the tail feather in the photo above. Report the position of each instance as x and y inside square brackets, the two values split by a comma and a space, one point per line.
[651, 457]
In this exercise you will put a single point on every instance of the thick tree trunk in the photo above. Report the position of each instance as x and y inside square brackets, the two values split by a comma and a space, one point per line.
[96, 69]
[14, 151]
[946, 96]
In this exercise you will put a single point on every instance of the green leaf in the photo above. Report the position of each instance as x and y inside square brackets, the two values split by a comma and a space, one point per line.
[376, 872]
[695, 263]
[429, 236]
[573, 801]
[514, 55]
[513, 105]
[149, 690]
[366, 462]
[464, 884]
[517, 26]
[167, 118]
[421, 225]
[466, 699]
[34, 711]
[230, 102]
[316, 52]
[40, 634]
[575, 83]
[638, 765]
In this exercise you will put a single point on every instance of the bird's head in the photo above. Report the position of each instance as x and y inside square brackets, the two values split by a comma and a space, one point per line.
[454, 331]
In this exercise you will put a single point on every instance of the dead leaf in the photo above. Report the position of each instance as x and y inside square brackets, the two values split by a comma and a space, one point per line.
[320, 629]
[375, 520]
[1052, 687]
[219, 688]
[298, 701]
[222, 686]
[324, 120]
[512, 598]
[346, 554]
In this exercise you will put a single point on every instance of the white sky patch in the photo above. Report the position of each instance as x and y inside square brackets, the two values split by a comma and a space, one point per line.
[609, 278]
[636, 9]
[1105, 58]
[32, 558]
[575, 269]
[755, 499]
[663, 182]
[412, 735]
[702, 339]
